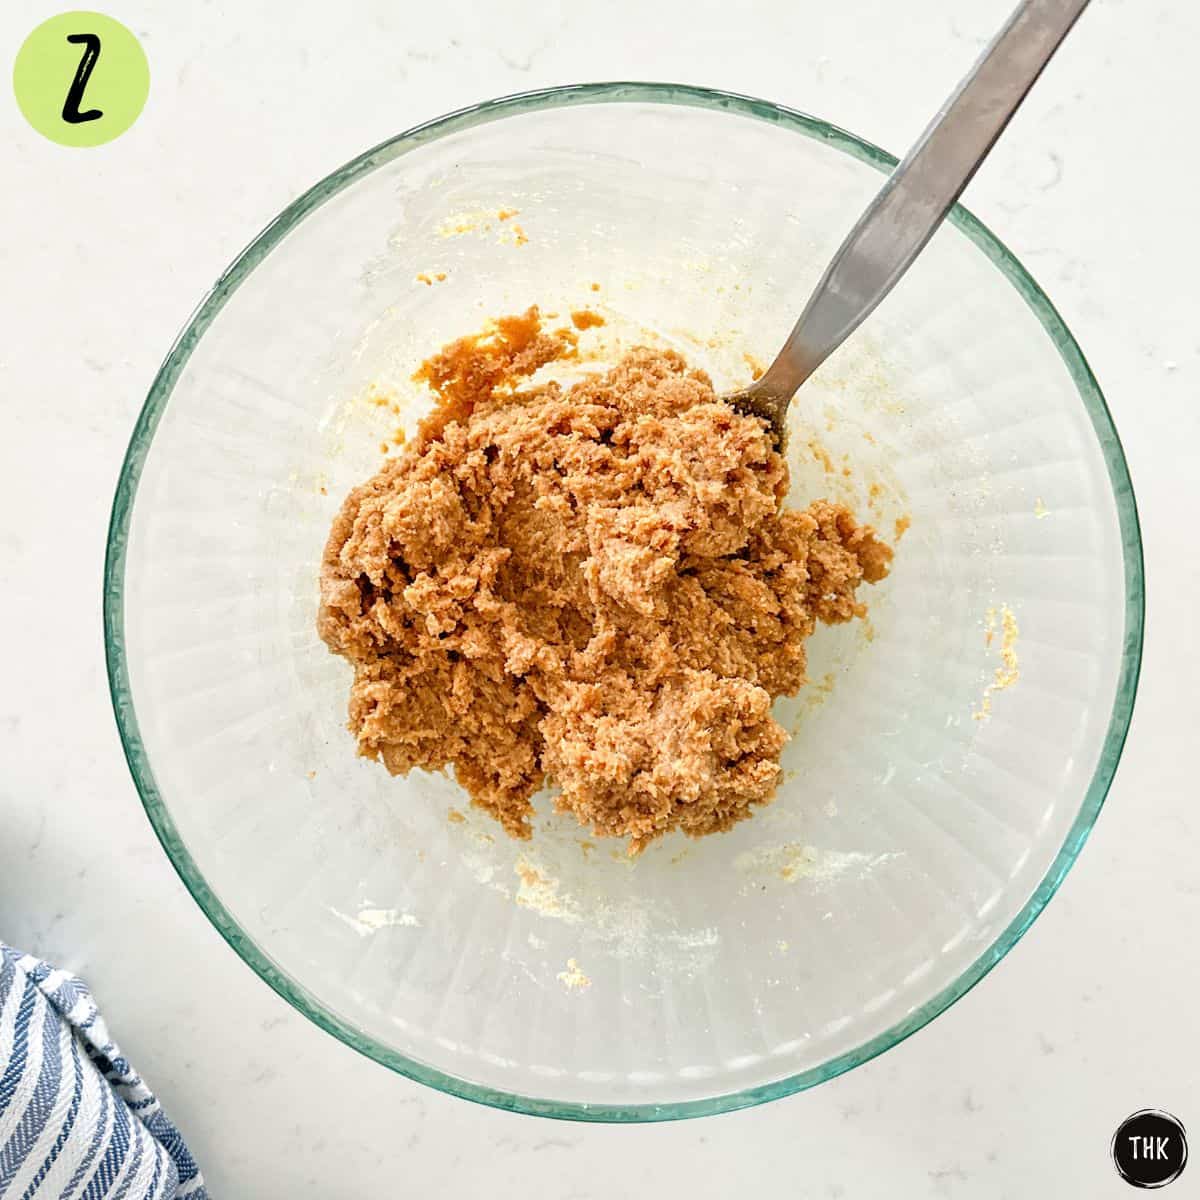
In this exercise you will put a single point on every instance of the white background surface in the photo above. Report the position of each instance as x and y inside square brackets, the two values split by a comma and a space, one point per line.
[1017, 1089]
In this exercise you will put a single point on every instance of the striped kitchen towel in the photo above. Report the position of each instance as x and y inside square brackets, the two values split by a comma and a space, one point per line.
[76, 1120]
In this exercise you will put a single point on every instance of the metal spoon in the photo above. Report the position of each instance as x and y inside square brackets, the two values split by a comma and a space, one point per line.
[911, 204]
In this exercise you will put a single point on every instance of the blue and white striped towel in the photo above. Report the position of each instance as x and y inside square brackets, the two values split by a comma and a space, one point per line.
[76, 1120]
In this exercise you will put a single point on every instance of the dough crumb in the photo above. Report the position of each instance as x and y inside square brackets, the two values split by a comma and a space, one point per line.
[821, 455]
[573, 979]
[541, 893]
[584, 318]
[756, 368]
[594, 587]
[1009, 670]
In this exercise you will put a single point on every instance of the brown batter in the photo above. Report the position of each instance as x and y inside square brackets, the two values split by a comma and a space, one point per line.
[593, 587]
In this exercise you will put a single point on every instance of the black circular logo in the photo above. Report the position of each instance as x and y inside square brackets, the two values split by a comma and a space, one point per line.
[1149, 1148]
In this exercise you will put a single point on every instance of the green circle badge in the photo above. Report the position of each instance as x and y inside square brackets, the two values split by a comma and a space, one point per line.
[81, 79]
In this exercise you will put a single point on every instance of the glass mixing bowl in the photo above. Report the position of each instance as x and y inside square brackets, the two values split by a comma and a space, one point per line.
[948, 758]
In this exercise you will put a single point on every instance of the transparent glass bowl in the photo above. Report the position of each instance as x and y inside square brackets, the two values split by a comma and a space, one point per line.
[927, 814]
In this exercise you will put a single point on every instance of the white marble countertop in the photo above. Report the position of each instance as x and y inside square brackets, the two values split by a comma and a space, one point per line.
[1017, 1089]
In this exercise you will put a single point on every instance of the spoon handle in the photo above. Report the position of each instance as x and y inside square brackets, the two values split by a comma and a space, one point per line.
[921, 190]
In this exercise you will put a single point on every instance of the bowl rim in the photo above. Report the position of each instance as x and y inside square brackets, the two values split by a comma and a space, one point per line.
[139, 444]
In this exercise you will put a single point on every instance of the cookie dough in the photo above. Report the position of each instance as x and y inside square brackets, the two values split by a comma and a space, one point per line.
[594, 588]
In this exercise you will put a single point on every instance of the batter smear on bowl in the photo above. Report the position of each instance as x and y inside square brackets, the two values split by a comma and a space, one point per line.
[594, 587]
